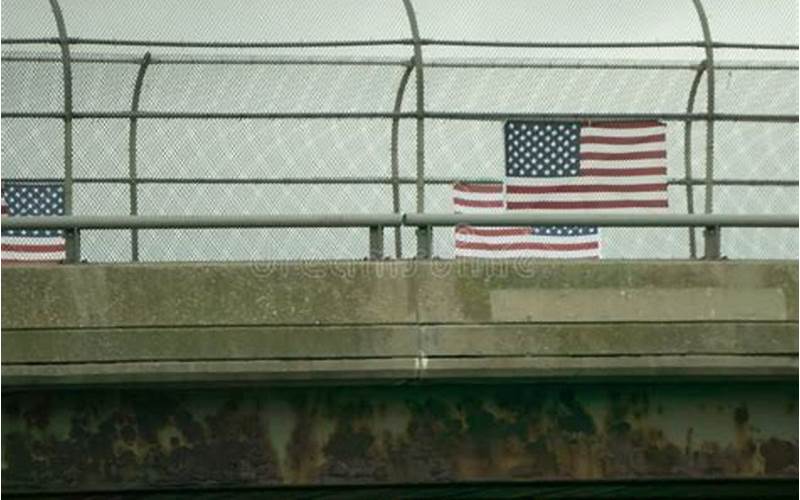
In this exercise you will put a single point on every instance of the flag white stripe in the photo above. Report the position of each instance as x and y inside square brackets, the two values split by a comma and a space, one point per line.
[544, 239]
[33, 240]
[585, 180]
[594, 196]
[623, 148]
[627, 164]
[6, 255]
[525, 254]
[646, 163]
[465, 209]
[463, 195]
[622, 132]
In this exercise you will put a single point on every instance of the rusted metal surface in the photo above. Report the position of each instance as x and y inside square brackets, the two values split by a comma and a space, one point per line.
[102, 440]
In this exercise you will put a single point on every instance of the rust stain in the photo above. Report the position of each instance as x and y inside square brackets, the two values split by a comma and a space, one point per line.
[780, 457]
[351, 435]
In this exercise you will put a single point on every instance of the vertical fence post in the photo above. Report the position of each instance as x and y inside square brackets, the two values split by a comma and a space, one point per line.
[132, 171]
[70, 238]
[687, 155]
[424, 243]
[398, 104]
[712, 246]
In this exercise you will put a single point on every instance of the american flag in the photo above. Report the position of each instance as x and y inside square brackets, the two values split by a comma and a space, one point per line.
[605, 167]
[32, 245]
[542, 242]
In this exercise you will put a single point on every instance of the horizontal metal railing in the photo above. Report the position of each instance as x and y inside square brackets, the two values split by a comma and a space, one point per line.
[393, 219]
[376, 180]
[202, 221]
[603, 220]
[72, 225]
[431, 115]
[517, 63]
[377, 42]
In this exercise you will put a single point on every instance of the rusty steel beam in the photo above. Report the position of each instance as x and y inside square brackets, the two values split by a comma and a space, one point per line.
[146, 439]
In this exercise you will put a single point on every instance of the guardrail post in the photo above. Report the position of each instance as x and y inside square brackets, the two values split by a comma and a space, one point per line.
[424, 242]
[72, 247]
[73, 235]
[422, 253]
[712, 240]
[132, 170]
[709, 187]
[376, 243]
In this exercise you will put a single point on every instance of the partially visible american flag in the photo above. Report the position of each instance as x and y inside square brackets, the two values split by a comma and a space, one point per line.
[586, 167]
[32, 245]
[542, 242]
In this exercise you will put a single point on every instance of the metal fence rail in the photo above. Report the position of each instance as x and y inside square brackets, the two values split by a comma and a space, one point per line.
[422, 114]
[430, 115]
[422, 222]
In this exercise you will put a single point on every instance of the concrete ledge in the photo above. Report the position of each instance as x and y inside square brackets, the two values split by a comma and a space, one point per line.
[370, 371]
[651, 368]
[610, 339]
[397, 321]
[392, 341]
[208, 343]
[536, 291]
[403, 292]
[98, 296]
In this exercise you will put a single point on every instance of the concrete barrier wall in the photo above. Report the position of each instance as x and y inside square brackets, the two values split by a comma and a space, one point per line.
[367, 321]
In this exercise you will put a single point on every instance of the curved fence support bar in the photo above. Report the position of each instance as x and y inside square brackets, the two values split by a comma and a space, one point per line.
[712, 243]
[73, 251]
[132, 172]
[424, 244]
[398, 104]
[687, 156]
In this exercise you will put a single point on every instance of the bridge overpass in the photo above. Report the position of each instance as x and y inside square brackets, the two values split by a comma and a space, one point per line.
[424, 378]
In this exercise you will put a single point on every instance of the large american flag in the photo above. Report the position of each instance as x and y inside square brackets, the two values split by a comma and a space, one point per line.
[557, 167]
[594, 167]
[537, 242]
[32, 245]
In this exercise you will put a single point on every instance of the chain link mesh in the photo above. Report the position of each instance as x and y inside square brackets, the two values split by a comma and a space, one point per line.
[278, 160]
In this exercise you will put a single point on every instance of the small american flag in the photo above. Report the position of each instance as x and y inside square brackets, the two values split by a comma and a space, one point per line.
[573, 166]
[538, 242]
[32, 245]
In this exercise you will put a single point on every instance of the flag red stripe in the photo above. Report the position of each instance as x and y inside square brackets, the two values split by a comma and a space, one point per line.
[472, 245]
[643, 124]
[636, 155]
[642, 139]
[573, 205]
[589, 188]
[478, 203]
[479, 188]
[622, 172]
[17, 247]
[32, 261]
[508, 231]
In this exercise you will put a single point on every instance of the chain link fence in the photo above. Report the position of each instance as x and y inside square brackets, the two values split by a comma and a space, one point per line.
[239, 126]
